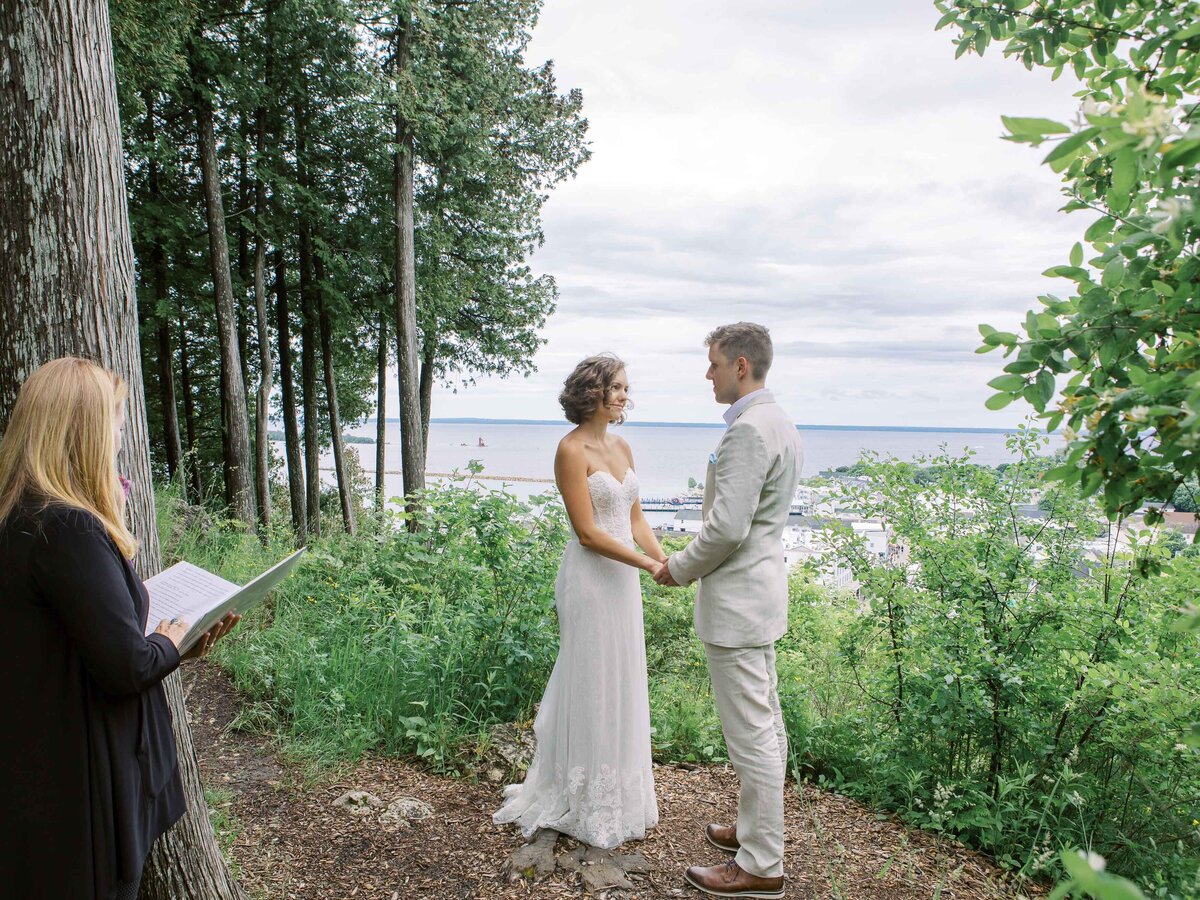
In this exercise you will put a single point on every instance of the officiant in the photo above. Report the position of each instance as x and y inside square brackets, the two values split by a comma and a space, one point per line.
[88, 772]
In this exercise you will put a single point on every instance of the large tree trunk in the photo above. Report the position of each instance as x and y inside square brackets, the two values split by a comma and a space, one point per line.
[158, 283]
[262, 407]
[235, 428]
[381, 416]
[185, 863]
[287, 383]
[67, 287]
[308, 340]
[335, 422]
[412, 437]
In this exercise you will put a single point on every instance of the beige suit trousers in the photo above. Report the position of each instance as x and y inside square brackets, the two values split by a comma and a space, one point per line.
[745, 687]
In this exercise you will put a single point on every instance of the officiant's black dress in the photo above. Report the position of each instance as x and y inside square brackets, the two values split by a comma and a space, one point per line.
[88, 772]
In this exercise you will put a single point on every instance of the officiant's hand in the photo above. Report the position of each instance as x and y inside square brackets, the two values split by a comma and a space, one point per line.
[175, 629]
[663, 576]
[211, 636]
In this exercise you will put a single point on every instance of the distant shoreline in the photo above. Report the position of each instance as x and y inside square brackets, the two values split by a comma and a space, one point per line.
[801, 427]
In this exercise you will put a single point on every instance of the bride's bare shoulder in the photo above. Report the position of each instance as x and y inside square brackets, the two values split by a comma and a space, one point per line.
[570, 448]
[570, 441]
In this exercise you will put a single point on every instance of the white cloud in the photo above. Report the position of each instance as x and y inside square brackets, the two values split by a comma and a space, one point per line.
[830, 171]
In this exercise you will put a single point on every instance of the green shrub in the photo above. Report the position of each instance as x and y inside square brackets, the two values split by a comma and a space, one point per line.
[399, 641]
[1004, 686]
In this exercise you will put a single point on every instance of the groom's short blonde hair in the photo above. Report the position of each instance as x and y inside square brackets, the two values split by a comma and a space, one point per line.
[746, 339]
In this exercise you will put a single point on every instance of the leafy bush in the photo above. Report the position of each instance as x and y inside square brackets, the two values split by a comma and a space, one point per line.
[1008, 688]
[406, 642]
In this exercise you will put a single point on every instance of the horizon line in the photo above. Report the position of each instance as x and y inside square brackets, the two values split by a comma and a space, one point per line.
[476, 420]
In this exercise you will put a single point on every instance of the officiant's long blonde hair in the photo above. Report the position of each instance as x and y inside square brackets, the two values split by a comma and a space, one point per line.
[58, 447]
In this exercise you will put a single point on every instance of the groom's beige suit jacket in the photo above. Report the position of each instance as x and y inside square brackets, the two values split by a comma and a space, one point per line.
[738, 555]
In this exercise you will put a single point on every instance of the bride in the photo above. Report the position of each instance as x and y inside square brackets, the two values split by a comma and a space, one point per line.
[591, 775]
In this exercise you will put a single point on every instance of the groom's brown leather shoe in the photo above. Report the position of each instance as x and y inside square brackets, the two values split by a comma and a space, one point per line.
[723, 837]
[731, 880]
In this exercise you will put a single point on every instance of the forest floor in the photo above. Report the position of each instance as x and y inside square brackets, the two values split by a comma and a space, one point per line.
[287, 839]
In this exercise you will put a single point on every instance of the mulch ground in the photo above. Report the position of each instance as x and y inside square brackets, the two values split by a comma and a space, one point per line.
[291, 842]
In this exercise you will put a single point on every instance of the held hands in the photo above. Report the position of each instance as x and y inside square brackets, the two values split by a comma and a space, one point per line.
[176, 630]
[662, 575]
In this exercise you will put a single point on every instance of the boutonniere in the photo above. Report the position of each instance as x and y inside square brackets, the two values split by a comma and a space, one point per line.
[712, 458]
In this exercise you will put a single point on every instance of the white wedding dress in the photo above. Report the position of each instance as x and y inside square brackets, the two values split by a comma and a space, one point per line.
[591, 775]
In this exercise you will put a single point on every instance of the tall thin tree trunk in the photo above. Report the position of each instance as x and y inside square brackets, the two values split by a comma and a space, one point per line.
[308, 340]
[235, 428]
[287, 383]
[67, 287]
[381, 416]
[335, 422]
[244, 282]
[158, 284]
[243, 339]
[312, 438]
[262, 406]
[412, 438]
[166, 384]
[189, 410]
[427, 373]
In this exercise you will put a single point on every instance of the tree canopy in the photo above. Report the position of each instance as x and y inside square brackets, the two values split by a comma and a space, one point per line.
[312, 110]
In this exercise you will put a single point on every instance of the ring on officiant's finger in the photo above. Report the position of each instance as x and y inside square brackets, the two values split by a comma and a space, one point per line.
[175, 620]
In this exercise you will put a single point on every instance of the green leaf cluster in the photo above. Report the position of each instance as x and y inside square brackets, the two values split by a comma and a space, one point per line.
[1114, 360]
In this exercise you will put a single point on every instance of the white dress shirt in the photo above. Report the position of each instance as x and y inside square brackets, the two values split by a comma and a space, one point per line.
[741, 403]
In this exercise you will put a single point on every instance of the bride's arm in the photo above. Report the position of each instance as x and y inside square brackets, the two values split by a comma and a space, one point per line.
[570, 472]
[644, 534]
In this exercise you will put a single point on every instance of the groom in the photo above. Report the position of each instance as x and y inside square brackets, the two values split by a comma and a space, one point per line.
[741, 603]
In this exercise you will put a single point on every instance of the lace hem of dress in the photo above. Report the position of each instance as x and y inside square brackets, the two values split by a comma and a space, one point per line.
[599, 812]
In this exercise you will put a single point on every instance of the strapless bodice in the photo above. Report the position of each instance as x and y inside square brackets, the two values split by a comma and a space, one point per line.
[611, 502]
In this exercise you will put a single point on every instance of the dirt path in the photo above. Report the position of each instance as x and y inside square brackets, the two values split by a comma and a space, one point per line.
[289, 841]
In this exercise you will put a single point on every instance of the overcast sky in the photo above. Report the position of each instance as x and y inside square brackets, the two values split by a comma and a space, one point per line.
[829, 170]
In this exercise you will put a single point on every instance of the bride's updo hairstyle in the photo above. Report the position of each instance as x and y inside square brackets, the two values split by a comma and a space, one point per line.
[588, 385]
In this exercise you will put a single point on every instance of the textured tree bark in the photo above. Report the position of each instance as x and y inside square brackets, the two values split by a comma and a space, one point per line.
[66, 273]
[287, 383]
[335, 422]
[235, 428]
[412, 438]
[381, 416]
[308, 341]
[185, 863]
[67, 287]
